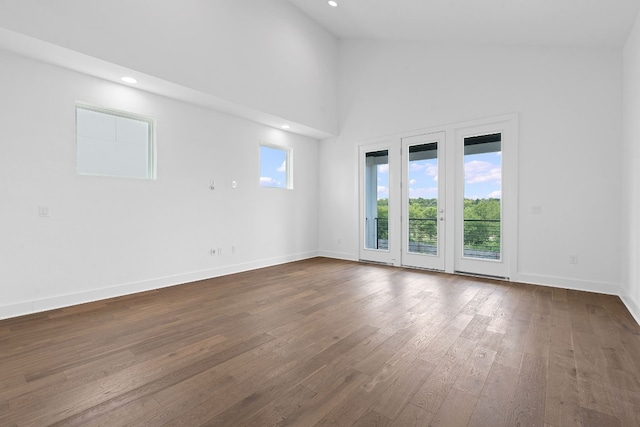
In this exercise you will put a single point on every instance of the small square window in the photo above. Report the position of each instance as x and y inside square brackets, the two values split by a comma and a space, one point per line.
[114, 143]
[275, 167]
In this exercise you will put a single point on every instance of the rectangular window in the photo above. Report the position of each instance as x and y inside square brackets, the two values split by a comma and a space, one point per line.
[423, 199]
[275, 167]
[377, 199]
[114, 143]
[483, 196]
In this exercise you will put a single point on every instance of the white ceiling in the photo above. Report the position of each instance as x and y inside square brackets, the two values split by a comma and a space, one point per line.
[586, 23]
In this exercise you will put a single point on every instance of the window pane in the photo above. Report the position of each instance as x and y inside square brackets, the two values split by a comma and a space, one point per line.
[482, 197]
[110, 144]
[377, 200]
[273, 167]
[423, 199]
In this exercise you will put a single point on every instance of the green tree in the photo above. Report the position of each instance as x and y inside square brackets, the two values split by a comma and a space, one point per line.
[482, 224]
[383, 219]
[423, 225]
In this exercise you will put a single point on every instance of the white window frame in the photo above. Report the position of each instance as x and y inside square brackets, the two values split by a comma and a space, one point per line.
[151, 137]
[288, 161]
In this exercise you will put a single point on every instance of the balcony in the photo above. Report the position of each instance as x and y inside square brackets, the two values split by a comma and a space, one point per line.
[481, 237]
[423, 236]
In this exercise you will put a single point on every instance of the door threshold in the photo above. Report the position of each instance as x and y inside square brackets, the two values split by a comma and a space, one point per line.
[367, 261]
[483, 276]
[413, 267]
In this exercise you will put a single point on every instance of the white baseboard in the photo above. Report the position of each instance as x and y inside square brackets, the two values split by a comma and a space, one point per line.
[632, 306]
[60, 301]
[565, 283]
[338, 255]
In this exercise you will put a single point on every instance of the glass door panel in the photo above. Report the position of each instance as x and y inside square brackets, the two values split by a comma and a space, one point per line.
[480, 236]
[423, 206]
[377, 200]
[423, 199]
[482, 197]
[379, 211]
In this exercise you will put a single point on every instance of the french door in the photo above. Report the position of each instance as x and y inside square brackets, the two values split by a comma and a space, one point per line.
[380, 216]
[423, 207]
[441, 200]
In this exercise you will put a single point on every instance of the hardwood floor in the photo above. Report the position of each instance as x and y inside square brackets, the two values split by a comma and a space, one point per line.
[327, 342]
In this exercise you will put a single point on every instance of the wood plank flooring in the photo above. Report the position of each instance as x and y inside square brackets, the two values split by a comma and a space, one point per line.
[327, 342]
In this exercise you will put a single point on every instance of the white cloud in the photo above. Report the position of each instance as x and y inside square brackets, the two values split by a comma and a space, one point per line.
[429, 168]
[267, 180]
[413, 181]
[383, 192]
[283, 166]
[495, 194]
[383, 168]
[425, 193]
[477, 171]
[432, 171]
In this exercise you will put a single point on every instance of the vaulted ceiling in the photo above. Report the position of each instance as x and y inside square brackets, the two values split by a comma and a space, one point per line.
[583, 23]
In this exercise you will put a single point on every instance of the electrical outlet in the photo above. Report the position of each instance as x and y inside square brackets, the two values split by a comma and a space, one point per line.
[43, 211]
[536, 210]
[213, 252]
[573, 259]
[233, 249]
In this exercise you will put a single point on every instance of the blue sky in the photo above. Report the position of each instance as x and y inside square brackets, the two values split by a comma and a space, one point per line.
[273, 167]
[482, 177]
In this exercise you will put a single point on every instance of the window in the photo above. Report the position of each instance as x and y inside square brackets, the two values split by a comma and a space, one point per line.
[482, 196]
[377, 199]
[275, 167]
[114, 143]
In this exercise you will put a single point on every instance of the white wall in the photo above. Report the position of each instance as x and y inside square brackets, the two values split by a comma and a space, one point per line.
[631, 180]
[570, 108]
[109, 236]
[265, 55]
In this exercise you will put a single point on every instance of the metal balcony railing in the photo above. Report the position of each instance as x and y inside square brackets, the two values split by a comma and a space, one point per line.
[382, 233]
[481, 236]
[423, 236]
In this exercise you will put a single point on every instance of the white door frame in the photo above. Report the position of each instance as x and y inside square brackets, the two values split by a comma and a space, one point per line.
[391, 255]
[507, 127]
[411, 259]
[452, 161]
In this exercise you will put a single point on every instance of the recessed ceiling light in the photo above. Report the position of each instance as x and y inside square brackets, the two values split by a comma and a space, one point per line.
[333, 3]
[285, 126]
[127, 79]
